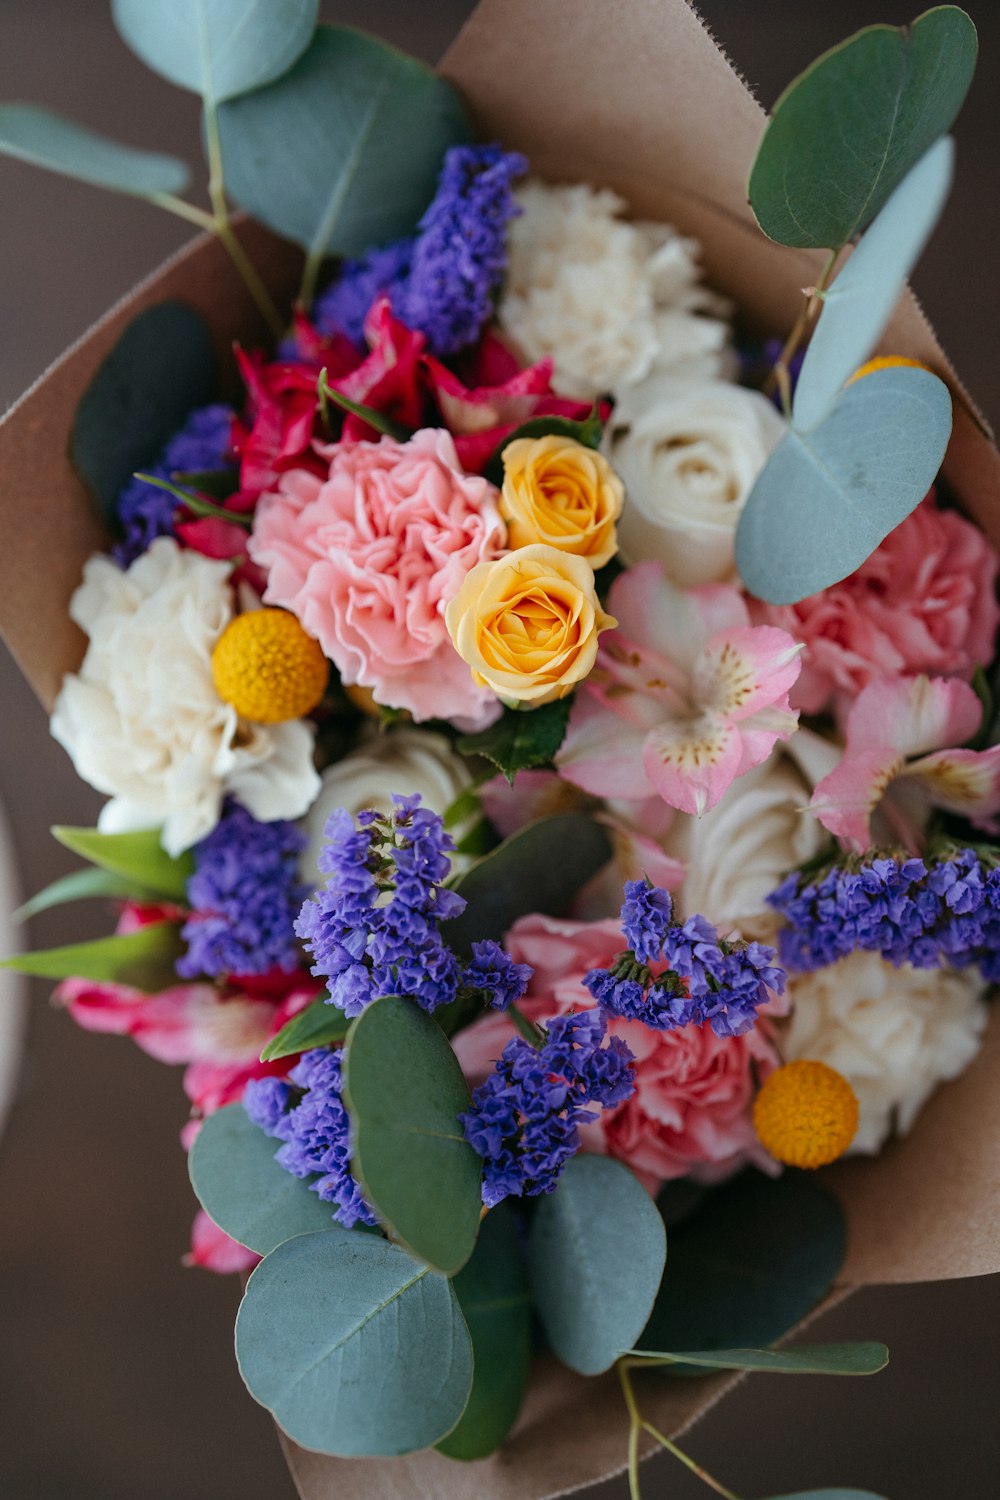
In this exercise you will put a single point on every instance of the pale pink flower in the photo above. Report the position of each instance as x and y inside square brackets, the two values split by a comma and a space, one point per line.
[213, 1250]
[685, 695]
[369, 557]
[925, 601]
[690, 1113]
[898, 761]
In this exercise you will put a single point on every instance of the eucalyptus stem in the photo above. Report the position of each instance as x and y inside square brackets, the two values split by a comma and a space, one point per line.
[634, 1428]
[310, 276]
[638, 1424]
[689, 1462]
[531, 1033]
[780, 379]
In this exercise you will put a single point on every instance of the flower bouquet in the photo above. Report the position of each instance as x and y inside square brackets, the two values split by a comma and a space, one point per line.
[543, 692]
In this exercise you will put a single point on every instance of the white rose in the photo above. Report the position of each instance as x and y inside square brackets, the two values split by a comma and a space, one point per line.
[894, 1034]
[403, 760]
[689, 456]
[142, 720]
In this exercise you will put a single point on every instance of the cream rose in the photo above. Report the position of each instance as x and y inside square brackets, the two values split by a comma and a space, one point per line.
[557, 491]
[689, 456]
[528, 624]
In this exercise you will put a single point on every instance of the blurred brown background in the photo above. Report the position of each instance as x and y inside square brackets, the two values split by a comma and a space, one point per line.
[117, 1380]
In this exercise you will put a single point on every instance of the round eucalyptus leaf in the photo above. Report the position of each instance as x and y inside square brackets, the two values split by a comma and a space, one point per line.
[217, 48]
[825, 499]
[357, 1349]
[847, 131]
[815, 1359]
[598, 1220]
[48, 140]
[343, 152]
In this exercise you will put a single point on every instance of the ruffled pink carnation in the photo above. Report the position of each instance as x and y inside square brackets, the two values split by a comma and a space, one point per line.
[690, 1113]
[925, 601]
[369, 557]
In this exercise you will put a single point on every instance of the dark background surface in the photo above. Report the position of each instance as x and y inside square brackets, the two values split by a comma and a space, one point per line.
[117, 1380]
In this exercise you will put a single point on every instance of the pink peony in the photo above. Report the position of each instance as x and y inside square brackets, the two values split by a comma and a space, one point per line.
[369, 557]
[690, 1113]
[925, 601]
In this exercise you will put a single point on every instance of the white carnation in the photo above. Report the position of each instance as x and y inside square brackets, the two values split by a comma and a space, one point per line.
[894, 1034]
[142, 720]
[607, 301]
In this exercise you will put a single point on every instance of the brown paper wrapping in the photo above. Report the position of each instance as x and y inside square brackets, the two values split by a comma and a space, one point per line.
[635, 95]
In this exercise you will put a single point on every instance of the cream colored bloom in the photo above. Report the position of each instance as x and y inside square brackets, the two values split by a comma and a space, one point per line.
[142, 720]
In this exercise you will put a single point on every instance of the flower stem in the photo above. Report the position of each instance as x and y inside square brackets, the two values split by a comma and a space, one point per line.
[779, 379]
[634, 1428]
[638, 1424]
[689, 1462]
[531, 1033]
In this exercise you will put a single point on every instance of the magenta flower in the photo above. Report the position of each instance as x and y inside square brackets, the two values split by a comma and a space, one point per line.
[685, 695]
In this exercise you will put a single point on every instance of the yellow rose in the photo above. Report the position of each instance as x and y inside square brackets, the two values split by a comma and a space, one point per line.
[558, 491]
[528, 623]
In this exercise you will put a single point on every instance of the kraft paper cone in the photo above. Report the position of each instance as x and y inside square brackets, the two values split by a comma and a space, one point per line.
[635, 95]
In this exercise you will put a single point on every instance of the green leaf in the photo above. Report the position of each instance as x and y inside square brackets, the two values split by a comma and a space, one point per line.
[144, 959]
[746, 1266]
[139, 856]
[48, 140]
[495, 1298]
[819, 1359]
[404, 1090]
[243, 1189]
[217, 48]
[835, 1494]
[521, 739]
[317, 1026]
[162, 367]
[344, 151]
[376, 419]
[825, 499]
[599, 1220]
[358, 1350]
[589, 432]
[80, 885]
[538, 869]
[858, 305]
[848, 130]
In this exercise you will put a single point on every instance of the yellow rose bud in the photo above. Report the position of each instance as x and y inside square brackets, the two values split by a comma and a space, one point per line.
[528, 624]
[557, 491]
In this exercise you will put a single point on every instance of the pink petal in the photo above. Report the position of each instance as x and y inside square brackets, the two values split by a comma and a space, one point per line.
[212, 1249]
[914, 715]
[602, 754]
[963, 781]
[845, 800]
[691, 765]
[740, 672]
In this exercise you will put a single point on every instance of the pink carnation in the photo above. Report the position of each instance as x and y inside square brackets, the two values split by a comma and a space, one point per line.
[925, 601]
[369, 557]
[690, 1113]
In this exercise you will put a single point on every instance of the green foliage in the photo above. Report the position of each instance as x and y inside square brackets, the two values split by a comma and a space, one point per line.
[317, 1026]
[817, 1359]
[376, 419]
[858, 305]
[521, 739]
[144, 959]
[825, 499]
[404, 1090]
[596, 1255]
[835, 1494]
[162, 367]
[358, 1350]
[343, 152]
[217, 48]
[493, 1293]
[80, 885]
[589, 432]
[138, 856]
[846, 132]
[48, 140]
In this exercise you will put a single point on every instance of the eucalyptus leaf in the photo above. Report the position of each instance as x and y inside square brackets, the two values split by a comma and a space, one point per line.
[317, 1026]
[825, 499]
[404, 1090]
[834, 1494]
[144, 959]
[48, 140]
[858, 305]
[217, 48]
[139, 856]
[162, 367]
[847, 131]
[598, 1220]
[819, 1359]
[79, 886]
[343, 152]
[243, 1189]
[357, 1349]
[495, 1298]
[521, 739]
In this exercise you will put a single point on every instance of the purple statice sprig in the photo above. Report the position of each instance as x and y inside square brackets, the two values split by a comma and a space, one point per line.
[145, 511]
[699, 976]
[524, 1119]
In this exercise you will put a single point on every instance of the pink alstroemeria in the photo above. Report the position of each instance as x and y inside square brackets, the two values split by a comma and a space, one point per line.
[897, 761]
[213, 1250]
[686, 695]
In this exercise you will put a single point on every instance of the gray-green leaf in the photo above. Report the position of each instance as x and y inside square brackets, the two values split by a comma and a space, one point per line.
[317, 1026]
[825, 500]
[49, 140]
[820, 1359]
[835, 1494]
[357, 1349]
[848, 130]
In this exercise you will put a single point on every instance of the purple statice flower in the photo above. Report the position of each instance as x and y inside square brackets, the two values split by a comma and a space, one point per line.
[495, 975]
[646, 915]
[524, 1118]
[144, 510]
[244, 894]
[308, 1115]
[344, 306]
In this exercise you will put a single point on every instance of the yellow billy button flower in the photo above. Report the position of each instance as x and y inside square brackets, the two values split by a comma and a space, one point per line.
[885, 362]
[806, 1114]
[528, 623]
[268, 668]
[560, 492]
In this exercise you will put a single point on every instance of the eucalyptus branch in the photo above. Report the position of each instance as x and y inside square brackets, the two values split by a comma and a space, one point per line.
[780, 379]
[638, 1424]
